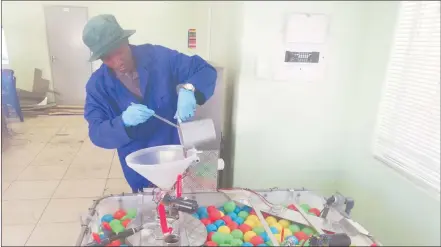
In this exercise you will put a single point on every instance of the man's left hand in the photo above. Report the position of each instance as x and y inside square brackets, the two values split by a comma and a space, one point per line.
[186, 105]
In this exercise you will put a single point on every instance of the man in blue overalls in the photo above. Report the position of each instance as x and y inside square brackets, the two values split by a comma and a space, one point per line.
[135, 82]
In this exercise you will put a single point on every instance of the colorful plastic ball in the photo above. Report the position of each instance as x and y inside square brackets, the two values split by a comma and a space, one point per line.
[247, 208]
[119, 214]
[224, 244]
[305, 207]
[252, 212]
[270, 220]
[294, 228]
[243, 214]
[239, 220]
[106, 226]
[274, 230]
[202, 210]
[287, 232]
[218, 237]
[131, 213]
[245, 228]
[125, 222]
[236, 242]
[293, 239]
[308, 231]
[292, 207]
[237, 234]
[196, 216]
[227, 219]
[256, 240]
[315, 211]
[209, 235]
[232, 215]
[278, 236]
[107, 218]
[215, 215]
[219, 223]
[250, 223]
[228, 238]
[258, 230]
[248, 235]
[224, 229]
[211, 228]
[203, 215]
[210, 243]
[253, 218]
[262, 245]
[277, 226]
[284, 223]
[247, 244]
[269, 243]
[222, 214]
[206, 221]
[221, 209]
[102, 236]
[301, 236]
[265, 236]
[237, 209]
[229, 207]
[211, 208]
[233, 225]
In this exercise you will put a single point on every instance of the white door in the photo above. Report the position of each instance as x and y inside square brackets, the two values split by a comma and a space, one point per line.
[67, 52]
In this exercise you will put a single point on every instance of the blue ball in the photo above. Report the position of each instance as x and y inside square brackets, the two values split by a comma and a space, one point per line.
[202, 210]
[102, 236]
[237, 209]
[211, 228]
[293, 239]
[196, 216]
[221, 209]
[247, 244]
[247, 208]
[239, 221]
[107, 218]
[219, 223]
[232, 215]
[262, 245]
[265, 236]
[203, 215]
[274, 230]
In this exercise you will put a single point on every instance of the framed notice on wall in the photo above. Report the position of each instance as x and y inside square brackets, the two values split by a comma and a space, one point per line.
[192, 38]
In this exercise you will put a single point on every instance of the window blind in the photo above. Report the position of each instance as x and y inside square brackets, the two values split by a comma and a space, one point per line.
[408, 127]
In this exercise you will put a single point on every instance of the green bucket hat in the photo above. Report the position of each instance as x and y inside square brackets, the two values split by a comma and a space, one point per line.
[102, 34]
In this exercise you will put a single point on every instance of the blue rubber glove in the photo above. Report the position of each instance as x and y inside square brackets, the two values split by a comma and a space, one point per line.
[186, 105]
[136, 114]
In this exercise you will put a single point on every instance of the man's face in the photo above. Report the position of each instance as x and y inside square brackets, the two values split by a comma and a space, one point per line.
[120, 59]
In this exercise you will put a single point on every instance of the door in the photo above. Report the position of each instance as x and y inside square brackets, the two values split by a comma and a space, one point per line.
[67, 53]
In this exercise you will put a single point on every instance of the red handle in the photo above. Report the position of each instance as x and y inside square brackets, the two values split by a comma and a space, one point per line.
[179, 186]
[163, 219]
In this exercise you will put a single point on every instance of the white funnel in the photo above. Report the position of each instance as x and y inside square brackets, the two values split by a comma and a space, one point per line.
[161, 165]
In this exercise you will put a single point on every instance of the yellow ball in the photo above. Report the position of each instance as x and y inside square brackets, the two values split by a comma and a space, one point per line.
[277, 226]
[222, 214]
[287, 232]
[271, 220]
[253, 218]
[278, 237]
[258, 223]
[284, 223]
[251, 223]
[248, 236]
[224, 229]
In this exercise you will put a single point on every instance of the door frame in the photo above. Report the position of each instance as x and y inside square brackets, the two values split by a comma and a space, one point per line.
[45, 6]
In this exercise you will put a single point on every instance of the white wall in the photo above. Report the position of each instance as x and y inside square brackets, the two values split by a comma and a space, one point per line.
[290, 132]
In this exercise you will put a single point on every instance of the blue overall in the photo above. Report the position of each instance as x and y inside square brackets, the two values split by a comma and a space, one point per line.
[160, 71]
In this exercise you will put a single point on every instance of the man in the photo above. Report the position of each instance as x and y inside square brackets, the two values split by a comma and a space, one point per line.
[133, 84]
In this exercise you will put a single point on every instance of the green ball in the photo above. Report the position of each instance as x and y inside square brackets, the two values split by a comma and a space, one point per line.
[308, 231]
[258, 230]
[236, 242]
[131, 213]
[243, 214]
[224, 245]
[269, 243]
[228, 238]
[229, 206]
[218, 237]
[294, 228]
[237, 234]
[305, 207]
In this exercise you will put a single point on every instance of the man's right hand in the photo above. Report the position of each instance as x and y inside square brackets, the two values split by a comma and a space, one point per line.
[136, 114]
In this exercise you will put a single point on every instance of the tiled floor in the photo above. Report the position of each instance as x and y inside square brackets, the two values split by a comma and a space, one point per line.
[50, 175]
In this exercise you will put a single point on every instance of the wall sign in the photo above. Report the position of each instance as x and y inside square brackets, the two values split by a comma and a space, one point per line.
[192, 38]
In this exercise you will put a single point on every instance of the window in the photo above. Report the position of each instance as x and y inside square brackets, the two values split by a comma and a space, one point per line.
[5, 57]
[408, 131]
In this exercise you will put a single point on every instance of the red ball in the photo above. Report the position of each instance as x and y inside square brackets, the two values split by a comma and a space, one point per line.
[106, 226]
[215, 215]
[301, 236]
[125, 222]
[253, 212]
[211, 209]
[119, 214]
[292, 207]
[210, 243]
[206, 221]
[315, 211]
[115, 243]
[245, 228]
[96, 237]
[265, 215]
[374, 244]
[256, 240]
[233, 225]
[210, 234]
[227, 219]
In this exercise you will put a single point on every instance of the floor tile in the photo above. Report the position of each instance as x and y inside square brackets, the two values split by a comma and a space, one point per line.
[21, 212]
[89, 171]
[55, 234]
[5, 185]
[16, 235]
[30, 190]
[66, 210]
[117, 186]
[93, 155]
[116, 169]
[56, 154]
[43, 173]
[80, 188]
[11, 173]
